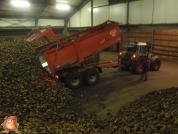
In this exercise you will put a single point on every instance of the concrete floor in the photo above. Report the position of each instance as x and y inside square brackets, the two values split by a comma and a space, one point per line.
[117, 88]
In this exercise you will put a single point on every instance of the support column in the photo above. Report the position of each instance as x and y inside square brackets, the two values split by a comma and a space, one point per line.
[91, 12]
[127, 22]
[36, 22]
[96, 57]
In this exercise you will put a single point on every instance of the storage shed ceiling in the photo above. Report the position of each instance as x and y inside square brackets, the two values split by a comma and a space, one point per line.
[43, 9]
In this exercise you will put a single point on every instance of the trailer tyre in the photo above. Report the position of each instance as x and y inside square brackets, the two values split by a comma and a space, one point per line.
[91, 76]
[156, 64]
[73, 80]
[137, 66]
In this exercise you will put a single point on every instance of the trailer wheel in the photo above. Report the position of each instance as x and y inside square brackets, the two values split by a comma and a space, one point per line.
[137, 66]
[73, 80]
[156, 64]
[91, 76]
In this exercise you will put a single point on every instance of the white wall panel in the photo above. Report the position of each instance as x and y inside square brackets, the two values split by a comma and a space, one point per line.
[135, 12]
[97, 3]
[52, 22]
[140, 12]
[75, 20]
[172, 11]
[159, 14]
[4, 24]
[28, 23]
[118, 13]
[100, 15]
[146, 11]
[96, 19]
[104, 14]
[86, 15]
[16, 22]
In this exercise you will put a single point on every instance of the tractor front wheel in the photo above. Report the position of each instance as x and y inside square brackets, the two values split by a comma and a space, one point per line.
[156, 64]
[137, 65]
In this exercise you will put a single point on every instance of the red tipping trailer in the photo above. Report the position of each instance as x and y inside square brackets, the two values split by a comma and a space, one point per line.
[64, 57]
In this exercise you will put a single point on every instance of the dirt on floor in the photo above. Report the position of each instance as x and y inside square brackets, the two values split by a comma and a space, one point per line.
[117, 88]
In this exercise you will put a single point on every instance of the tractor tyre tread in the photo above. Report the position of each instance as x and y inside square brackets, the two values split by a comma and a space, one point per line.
[154, 63]
[134, 65]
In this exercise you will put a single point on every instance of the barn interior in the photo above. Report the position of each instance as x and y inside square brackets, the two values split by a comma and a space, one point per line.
[119, 102]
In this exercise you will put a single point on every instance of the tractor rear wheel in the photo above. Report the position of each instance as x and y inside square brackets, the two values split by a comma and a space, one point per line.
[137, 66]
[156, 64]
[73, 80]
[91, 76]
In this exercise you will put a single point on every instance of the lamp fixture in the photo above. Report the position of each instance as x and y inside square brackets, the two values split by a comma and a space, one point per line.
[63, 6]
[20, 3]
[62, 1]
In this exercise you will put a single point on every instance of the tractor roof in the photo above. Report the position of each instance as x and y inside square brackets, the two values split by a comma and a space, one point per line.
[132, 44]
[141, 44]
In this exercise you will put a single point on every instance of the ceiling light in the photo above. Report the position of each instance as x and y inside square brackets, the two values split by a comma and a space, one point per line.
[62, 6]
[20, 3]
[62, 1]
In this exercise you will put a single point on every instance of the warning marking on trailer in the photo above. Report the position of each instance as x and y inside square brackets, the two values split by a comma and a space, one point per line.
[113, 33]
[103, 40]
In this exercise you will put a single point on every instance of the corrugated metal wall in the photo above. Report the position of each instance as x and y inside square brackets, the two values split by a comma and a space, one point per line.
[118, 13]
[140, 12]
[100, 15]
[75, 20]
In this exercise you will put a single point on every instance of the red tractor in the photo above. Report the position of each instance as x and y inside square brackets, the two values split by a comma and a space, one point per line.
[134, 56]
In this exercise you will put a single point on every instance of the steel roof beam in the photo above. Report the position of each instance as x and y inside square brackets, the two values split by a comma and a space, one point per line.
[113, 2]
[41, 11]
[76, 10]
[27, 17]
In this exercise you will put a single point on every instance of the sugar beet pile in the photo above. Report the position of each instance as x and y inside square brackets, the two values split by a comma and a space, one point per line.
[36, 101]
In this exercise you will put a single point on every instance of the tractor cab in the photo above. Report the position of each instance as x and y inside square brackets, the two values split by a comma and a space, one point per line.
[136, 48]
[139, 48]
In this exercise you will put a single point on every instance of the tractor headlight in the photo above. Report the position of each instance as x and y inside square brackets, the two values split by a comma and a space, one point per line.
[120, 54]
[133, 56]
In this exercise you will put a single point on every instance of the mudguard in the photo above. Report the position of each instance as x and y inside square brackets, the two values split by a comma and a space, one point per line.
[153, 58]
